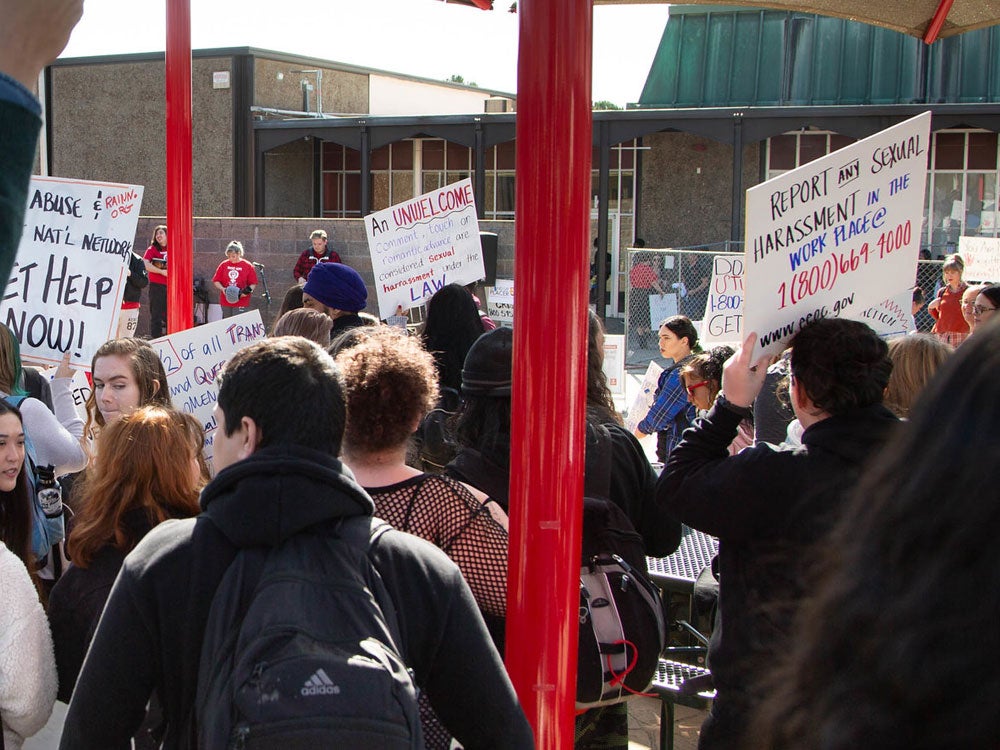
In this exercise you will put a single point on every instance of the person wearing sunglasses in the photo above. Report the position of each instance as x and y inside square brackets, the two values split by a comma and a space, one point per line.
[986, 305]
[702, 379]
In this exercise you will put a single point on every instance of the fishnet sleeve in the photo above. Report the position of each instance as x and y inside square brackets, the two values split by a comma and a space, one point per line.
[447, 514]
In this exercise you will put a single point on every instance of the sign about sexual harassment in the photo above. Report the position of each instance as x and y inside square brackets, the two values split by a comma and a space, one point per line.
[194, 358]
[419, 246]
[835, 233]
[65, 290]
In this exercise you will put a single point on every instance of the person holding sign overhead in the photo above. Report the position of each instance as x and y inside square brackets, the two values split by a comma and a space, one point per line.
[156, 267]
[235, 278]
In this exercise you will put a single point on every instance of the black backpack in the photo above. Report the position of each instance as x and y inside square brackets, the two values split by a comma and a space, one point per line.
[300, 649]
[622, 627]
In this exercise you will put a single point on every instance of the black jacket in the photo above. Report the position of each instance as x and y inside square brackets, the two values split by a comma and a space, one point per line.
[136, 280]
[151, 632]
[767, 507]
[632, 486]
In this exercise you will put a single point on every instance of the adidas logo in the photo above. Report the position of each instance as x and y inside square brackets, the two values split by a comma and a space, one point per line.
[319, 684]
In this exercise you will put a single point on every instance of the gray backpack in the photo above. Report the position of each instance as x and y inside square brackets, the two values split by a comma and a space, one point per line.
[300, 649]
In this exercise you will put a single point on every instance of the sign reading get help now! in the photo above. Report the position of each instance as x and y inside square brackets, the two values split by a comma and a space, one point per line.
[419, 246]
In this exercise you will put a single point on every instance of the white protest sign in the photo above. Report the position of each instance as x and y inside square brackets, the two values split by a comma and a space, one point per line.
[891, 317]
[834, 233]
[65, 290]
[500, 301]
[644, 398]
[614, 363]
[723, 320]
[982, 258]
[194, 358]
[661, 306]
[419, 246]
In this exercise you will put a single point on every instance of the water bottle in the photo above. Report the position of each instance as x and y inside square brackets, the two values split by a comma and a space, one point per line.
[49, 492]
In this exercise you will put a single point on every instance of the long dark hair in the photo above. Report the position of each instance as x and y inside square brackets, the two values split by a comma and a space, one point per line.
[600, 403]
[15, 509]
[452, 327]
[911, 564]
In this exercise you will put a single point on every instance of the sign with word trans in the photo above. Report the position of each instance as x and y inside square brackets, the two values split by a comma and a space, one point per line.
[194, 358]
[65, 290]
[835, 233]
[419, 246]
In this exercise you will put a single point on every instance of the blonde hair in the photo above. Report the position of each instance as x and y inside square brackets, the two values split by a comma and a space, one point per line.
[235, 247]
[915, 359]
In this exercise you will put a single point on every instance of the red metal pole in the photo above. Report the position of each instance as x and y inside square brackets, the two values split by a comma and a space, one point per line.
[944, 7]
[180, 221]
[550, 349]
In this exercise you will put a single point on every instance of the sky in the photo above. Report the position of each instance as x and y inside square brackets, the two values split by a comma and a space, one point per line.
[424, 38]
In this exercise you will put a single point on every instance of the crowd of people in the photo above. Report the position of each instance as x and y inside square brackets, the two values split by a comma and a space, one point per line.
[851, 563]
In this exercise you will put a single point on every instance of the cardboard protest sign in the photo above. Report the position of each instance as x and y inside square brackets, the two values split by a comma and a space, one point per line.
[723, 319]
[500, 301]
[194, 358]
[644, 398]
[891, 317]
[65, 290]
[419, 246]
[614, 363]
[835, 233]
[982, 258]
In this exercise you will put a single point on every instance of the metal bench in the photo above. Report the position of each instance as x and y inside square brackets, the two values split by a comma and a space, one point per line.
[672, 687]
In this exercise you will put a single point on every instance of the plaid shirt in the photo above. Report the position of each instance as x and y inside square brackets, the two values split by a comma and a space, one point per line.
[670, 403]
[308, 259]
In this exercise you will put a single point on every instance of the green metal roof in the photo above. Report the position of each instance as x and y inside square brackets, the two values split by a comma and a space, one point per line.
[717, 58]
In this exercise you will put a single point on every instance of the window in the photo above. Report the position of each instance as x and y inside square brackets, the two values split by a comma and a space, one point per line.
[962, 188]
[791, 150]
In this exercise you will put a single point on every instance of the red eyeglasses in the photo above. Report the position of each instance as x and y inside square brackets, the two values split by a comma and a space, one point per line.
[692, 388]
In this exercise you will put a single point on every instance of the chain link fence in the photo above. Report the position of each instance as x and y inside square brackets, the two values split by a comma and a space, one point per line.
[678, 279]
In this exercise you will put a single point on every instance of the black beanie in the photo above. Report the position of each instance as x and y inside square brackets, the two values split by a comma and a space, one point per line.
[487, 370]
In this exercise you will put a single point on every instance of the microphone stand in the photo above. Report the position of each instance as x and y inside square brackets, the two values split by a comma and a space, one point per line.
[266, 294]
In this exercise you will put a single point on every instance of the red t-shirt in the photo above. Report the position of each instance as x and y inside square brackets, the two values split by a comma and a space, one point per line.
[642, 276]
[153, 252]
[238, 274]
[949, 312]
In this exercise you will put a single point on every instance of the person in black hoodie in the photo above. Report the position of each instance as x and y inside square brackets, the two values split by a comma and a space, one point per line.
[135, 282]
[768, 506]
[280, 416]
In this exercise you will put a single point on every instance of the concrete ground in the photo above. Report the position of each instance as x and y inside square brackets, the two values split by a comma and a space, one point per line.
[644, 725]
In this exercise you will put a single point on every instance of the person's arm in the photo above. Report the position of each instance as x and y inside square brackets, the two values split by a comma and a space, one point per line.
[32, 35]
[702, 484]
[137, 275]
[117, 678]
[27, 664]
[301, 269]
[447, 644]
[54, 444]
[633, 488]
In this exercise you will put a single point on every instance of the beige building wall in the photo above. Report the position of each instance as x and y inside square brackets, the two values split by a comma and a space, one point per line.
[288, 183]
[276, 84]
[681, 206]
[109, 124]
